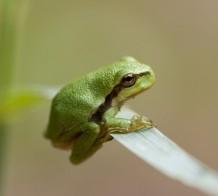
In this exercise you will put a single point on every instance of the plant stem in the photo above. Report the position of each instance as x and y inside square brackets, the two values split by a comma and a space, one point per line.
[7, 47]
[7, 43]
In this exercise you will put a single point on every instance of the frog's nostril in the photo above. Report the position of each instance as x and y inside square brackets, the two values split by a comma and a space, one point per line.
[150, 75]
[147, 73]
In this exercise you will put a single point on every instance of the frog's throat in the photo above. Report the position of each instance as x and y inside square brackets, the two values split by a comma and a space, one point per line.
[97, 115]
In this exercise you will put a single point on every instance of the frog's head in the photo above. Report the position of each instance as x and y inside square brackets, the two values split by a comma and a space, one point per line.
[132, 77]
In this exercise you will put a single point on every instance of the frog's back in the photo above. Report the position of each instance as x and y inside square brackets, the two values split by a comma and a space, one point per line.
[72, 107]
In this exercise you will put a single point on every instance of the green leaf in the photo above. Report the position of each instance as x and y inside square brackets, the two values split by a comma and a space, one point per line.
[18, 100]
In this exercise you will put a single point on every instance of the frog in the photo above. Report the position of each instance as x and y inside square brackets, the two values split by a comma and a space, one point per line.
[84, 112]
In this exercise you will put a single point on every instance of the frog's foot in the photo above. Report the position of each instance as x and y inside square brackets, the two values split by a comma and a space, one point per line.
[107, 137]
[136, 122]
[104, 135]
[139, 122]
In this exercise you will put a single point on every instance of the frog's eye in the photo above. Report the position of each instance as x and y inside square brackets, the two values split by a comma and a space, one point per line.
[128, 80]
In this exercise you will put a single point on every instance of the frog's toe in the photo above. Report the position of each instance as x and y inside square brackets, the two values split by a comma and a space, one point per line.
[139, 122]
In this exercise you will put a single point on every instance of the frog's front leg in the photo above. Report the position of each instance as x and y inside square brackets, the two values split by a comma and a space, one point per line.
[121, 125]
[85, 145]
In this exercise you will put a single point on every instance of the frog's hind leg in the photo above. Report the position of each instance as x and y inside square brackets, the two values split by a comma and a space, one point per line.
[85, 145]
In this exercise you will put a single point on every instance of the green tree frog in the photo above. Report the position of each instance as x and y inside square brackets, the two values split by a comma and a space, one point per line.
[83, 113]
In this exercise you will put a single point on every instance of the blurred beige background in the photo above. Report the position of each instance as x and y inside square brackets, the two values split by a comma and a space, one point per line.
[61, 40]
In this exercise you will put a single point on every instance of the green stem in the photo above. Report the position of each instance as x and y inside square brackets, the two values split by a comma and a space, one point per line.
[7, 47]
[7, 42]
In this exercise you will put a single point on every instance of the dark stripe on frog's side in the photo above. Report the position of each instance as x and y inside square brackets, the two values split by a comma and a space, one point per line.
[98, 114]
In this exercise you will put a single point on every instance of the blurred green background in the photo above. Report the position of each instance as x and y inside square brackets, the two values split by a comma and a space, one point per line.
[57, 41]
